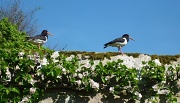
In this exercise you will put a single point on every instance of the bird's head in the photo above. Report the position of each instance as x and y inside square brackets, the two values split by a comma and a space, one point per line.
[127, 37]
[46, 33]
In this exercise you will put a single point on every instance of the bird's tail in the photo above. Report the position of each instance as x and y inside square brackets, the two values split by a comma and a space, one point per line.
[105, 45]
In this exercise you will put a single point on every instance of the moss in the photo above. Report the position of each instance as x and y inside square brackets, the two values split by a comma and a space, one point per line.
[164, 59]
[135, 55]
[96, 56]
[153, 57]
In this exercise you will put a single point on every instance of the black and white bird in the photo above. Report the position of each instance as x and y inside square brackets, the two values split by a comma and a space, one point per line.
[119, 42]
[39, 39]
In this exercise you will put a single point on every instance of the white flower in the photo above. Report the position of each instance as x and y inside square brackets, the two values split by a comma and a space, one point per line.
[155, 87]
[55, 55]
[87, 65]
[32, 81]
[64, 70]
[92, 68]
[67, 99]
[163, 91]
[137, 78]
[36, 55]
[107, 78]
[163, 82]
[55, 61]
[124, 92]
[70, 58]
[111, 89]
[39, 66]
[8, 74]
[94, 84]
[59, 77]
[78, 82]
[80, 75]
[78, 70]
[25, 99]
[21, 54]
[60, 66]
[32, 90]
[38, 72]
[166, 67]
[20, 83]
[44, 61]
[139, 96]
[178, 83]
[85, 73]
[42, 76]
[75, 75]
[37, 60]
[17, 67]
[157, 61]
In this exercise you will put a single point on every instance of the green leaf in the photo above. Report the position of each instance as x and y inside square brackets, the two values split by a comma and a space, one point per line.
[117, 79]
[52, 73]
[7, 91]
[103, 79]
[15, 90]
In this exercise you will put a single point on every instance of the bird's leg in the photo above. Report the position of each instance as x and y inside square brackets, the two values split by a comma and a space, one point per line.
[38, 46]
[119, 49]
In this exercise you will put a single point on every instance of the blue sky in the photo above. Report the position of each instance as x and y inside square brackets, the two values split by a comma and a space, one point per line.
[85, 25]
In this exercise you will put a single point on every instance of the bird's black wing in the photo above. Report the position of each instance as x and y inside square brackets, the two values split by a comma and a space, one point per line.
[39, 37]
[114, 41]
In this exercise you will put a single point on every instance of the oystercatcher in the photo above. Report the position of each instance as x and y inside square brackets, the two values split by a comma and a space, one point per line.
[119, 42]
[39, 39]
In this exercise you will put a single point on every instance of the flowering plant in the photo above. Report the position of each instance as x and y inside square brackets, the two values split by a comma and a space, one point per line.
[27, 75]
[26, 72]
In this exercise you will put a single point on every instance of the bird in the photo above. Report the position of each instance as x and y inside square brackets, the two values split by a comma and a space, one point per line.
[119, 42]
[39, 39]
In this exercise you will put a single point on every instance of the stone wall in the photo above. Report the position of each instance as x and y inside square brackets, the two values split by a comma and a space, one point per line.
[67, 95]
[70, 96]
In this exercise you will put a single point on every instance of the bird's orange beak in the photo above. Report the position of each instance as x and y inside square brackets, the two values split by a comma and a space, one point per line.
[131, 38]
[49, 33]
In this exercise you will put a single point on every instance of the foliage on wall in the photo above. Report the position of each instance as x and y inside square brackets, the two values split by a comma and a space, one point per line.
[26, 72]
